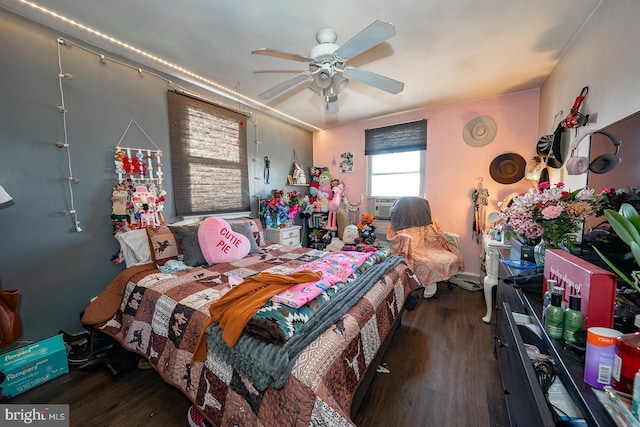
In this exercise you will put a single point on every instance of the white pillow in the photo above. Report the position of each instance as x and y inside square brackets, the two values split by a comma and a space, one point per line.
[135, 247]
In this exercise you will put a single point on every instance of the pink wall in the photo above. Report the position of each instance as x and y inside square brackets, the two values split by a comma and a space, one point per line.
[452, 167]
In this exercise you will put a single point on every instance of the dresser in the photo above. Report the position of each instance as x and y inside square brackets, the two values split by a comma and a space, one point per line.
[284, 236]
[526, 401]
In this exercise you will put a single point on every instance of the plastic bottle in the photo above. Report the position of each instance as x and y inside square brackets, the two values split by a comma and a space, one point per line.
[626, 361]
[573, 318]
[546, 300]
[635, 403]
[554, 321]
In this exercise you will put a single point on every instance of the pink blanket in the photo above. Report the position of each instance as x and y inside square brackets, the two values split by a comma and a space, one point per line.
[335, 268]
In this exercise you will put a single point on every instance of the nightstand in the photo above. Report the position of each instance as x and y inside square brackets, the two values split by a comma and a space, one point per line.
[492, 266]
[284, 236]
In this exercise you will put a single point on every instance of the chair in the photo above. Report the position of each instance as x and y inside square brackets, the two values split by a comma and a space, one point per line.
[413, 233]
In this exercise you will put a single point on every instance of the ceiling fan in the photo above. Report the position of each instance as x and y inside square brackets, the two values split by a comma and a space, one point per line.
[327, 64]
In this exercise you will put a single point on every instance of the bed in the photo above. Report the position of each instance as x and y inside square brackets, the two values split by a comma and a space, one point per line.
[291, 365]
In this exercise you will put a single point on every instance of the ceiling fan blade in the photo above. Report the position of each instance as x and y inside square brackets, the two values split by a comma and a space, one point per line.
[284, 55]
[373, 79]
[371, 36]
[285, 85]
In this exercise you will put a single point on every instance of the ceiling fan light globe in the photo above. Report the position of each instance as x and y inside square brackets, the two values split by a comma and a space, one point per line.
[340, 83]
[332, 108]
[331, 105]
[322, 81]
[326, 35]
[314, 87]
[323, 78]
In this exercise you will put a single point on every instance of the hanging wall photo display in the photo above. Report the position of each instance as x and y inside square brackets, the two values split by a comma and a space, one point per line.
[346, 162]
[138, 196]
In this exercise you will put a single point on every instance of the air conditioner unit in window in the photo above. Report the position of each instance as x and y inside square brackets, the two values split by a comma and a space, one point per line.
[379, 206]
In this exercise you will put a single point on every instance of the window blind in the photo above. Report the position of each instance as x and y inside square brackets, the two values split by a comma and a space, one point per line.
[208, 157]
[409, 136]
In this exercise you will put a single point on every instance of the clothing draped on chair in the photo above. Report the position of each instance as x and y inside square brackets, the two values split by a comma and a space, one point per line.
[414, 234]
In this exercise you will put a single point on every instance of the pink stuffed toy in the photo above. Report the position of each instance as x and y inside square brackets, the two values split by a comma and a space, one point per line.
[334, 205]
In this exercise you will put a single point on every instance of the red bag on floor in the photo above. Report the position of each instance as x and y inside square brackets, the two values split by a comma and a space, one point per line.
[10, 322]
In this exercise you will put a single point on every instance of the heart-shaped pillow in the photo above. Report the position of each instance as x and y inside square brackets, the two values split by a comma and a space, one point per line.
[219, 243]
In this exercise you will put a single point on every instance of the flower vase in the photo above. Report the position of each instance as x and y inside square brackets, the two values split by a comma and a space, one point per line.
[538, 250]
[268, 221]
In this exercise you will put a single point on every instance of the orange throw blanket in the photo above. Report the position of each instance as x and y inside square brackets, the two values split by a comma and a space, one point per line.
[105, 305]
[234, 310]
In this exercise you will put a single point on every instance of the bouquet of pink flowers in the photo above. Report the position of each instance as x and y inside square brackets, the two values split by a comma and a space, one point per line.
[550, 213]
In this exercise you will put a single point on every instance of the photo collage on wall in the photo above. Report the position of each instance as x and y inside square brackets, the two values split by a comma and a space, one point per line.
[346, 162]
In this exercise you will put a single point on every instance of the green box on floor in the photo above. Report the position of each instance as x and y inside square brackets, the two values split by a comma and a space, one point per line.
[27, 367]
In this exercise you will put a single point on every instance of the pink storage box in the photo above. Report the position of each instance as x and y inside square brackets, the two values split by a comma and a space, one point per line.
[595, 285]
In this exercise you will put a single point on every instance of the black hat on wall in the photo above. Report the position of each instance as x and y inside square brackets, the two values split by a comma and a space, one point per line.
[508, 168]
[560, 147]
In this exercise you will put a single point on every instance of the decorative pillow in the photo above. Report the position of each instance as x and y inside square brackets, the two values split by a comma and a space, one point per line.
[256, 228]
[244, 228]
[219, 243]
[163, 245]
[187, 236]
[135, 247]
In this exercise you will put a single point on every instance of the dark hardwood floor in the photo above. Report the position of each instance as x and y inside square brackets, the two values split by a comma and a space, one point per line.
[442, 373]
[443, 370]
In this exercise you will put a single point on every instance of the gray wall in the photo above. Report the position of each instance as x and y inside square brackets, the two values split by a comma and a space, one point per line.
[57, 269]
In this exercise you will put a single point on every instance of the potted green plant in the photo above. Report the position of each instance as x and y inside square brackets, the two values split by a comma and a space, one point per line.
[626, 224]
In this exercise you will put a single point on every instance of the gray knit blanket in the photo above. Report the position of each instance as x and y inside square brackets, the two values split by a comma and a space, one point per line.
[266, 364]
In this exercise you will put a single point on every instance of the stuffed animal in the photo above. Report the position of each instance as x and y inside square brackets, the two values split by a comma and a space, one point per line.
[313, 190]
[322, 202]
[367, 229]
[333, 206]
[366, 219]
[350, 234]
[324, 182]
[298, 174]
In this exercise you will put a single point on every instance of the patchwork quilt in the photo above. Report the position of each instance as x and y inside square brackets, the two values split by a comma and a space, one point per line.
[161, 318]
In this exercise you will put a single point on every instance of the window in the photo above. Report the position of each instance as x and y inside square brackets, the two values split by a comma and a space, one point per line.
[396, 174]
[208, 157]
[395, 159]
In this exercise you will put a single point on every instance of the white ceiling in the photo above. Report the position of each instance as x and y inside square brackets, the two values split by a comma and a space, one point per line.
[445, 51]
